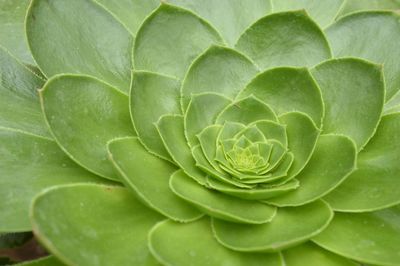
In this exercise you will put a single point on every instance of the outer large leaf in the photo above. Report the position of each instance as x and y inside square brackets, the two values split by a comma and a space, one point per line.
[340, 81]
[19, 101]
[130, 12]
[333, 160]
[47, 261]
[153, 95]
[193, 244]
[311, 255]
[220, 70]
[79, 37]
[29, 164]
[284, 39]
[373, 36]
[113, 228]
[372, 237]
[356, 5]
[289, 227]
[12, 35]
[84, 114]
[162, 43]
[374, 185]
[230, 17]
[322, 11]
[149, 177]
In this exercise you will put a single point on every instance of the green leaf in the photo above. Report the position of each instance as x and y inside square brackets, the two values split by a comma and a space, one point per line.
[290, 226]
[171, 130]
[311, 255]
[288, 89]
[302, 137]
[79, 37]
[19, 101]
[202, 112]
[272, 130]
[340, 81]
[194, 244]
[209, 170]
[373, 36]
[12, 34]
[113, 228]
[151, 96]
[29, 164]
[208, 143]
[246, 111]
[322, 11]
[220, 205]
[46, 261]
[358, 5]
[230, 17]
[83, 114]
[257, 193]
[333, 160]
[149, 177]
[372, 237]
[130, 12]
[284, 39]
[162, 45]
[220, 70]
[374, 185]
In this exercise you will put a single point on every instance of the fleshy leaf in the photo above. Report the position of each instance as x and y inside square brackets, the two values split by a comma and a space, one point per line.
[12, 35]
[260, 193]
[220, 205]
[220, 70]
[286, 90]
[322, 11]
[29, 164]
[246, 111]
[171, 130]
[194, 244]
[374, 185]
[130, 12]
[340, 81]
[46, 261]
[302, 137]
[358, 5]
[19, 101]
[153, 95]
[204, 165]
[83, 114]
[371, 237]
[290, 226]
[311, 255]
[333, 160]
[110, 217]
[69, 37]
[284, 39]
[373, 36]
[162, 45]
[202, 112]
[149, 176]
[237, 16]
[273, 130]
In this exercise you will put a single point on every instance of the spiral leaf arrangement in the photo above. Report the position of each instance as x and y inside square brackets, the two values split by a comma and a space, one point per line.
[214, 132]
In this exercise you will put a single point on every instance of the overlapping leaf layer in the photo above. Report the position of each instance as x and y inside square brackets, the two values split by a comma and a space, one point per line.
[216, 132]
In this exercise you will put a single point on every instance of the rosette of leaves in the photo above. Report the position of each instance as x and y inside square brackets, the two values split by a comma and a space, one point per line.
[202, 132]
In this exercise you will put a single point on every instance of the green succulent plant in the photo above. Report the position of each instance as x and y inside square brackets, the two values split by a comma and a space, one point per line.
[213, 132]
